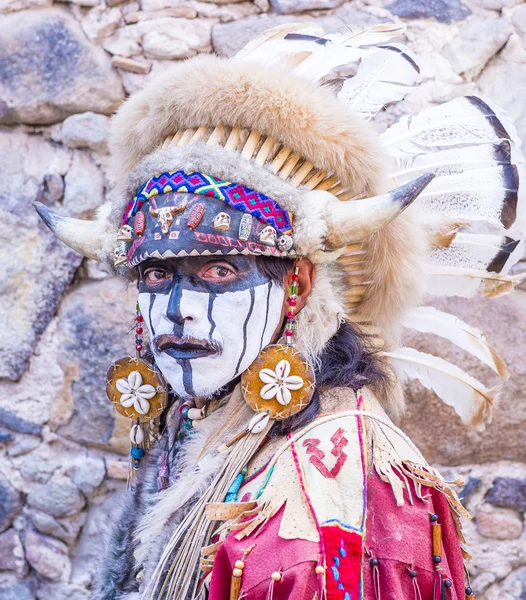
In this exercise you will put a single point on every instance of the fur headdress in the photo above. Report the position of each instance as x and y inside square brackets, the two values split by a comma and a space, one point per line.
[288, 118]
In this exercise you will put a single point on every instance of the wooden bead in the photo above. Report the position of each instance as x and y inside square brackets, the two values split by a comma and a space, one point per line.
[235, 587]
[276, 576]
[239, 564]
[437, 539]
[139, 224]
[237, 572]
[196, 216]
[320, 570]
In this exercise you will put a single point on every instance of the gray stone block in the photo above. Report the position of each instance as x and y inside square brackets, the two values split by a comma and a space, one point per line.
[441, 10]
[508, 493]
[10, 503]
[59, 497]
[49, 70]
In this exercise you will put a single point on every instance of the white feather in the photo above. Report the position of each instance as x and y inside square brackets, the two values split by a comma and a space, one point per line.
[407, 166]
[479, 252]
[377, 34]
[455, 281]
[427, 319]
[329, 61]
[385, 75]
[471, 400]
[480, 195]
[271, 47]
[463, 121]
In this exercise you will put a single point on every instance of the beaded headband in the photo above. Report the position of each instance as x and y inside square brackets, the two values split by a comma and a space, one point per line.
[235, 195]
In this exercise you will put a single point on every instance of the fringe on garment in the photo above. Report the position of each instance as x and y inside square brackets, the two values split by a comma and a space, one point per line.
[391, 466]
[182, 553]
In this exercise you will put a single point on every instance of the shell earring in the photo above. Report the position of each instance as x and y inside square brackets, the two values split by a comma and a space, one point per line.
[280, 382]
[138, 391]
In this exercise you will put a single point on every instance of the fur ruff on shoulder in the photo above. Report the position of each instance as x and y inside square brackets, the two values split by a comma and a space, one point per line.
[190, 484]
[115, 572]
[394, 266]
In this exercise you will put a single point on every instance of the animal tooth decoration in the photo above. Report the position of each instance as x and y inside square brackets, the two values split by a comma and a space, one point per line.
[280, 247]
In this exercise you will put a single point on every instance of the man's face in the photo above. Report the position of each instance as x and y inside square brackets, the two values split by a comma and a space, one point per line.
[208, 318]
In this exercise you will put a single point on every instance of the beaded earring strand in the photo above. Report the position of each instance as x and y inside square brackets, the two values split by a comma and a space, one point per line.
[292, 301]
[137, 437]
[280, 382]
[138, 391]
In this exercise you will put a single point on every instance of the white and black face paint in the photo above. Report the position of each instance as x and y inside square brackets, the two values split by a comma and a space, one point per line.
[208, 319]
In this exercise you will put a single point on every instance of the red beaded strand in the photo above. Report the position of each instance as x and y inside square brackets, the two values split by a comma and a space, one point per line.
[138, 331]
[291, 313]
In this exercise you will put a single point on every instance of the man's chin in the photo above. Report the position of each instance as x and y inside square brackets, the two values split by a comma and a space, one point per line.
[200, 376]
[202, 394]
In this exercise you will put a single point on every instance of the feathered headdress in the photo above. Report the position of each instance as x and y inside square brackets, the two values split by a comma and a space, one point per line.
[288, 118]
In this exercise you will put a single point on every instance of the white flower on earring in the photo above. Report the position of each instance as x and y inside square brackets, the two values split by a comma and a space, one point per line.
[134, 393]
[279, 383]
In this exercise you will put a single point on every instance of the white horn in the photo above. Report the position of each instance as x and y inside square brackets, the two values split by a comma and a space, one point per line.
[355, 220]
[85, 237]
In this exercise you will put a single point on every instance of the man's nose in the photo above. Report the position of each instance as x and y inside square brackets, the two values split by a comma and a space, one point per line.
[173, 312]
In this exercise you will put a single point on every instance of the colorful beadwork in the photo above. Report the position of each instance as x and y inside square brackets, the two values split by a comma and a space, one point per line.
[137, 453]
[343, 555]
[138, 330]
[291, 312]
[233, 490]
[234, 194]
[183, 411]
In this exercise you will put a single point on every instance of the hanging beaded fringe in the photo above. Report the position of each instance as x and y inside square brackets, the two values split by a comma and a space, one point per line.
[469, 591]
[140, 435]
[374, 562]
[235, 583]
[140, 432]
[436, 536]
[413, 574]
[320, 579]
[291, 313]
[237, 574]
[275, 578]
[174, 575]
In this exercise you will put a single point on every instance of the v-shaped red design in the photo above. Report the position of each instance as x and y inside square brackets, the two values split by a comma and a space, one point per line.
[317, 454]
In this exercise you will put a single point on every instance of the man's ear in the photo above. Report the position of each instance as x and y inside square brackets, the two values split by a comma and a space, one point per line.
[306, 277]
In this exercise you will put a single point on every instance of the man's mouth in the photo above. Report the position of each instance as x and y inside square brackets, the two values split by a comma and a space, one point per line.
[184, 347]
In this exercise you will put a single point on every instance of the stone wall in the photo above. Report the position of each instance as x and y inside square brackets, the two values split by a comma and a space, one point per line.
[64, 68]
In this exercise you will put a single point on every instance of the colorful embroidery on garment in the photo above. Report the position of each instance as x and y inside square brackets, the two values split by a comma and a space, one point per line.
[343, 556]
[233, 194]
[317, 455]
[335, 457]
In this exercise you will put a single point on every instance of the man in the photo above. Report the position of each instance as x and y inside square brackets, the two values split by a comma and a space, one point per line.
[272, 302]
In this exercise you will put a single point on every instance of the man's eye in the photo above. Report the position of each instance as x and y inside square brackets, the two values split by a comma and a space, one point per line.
[155, 276]
[218, 273]
[222, 272]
